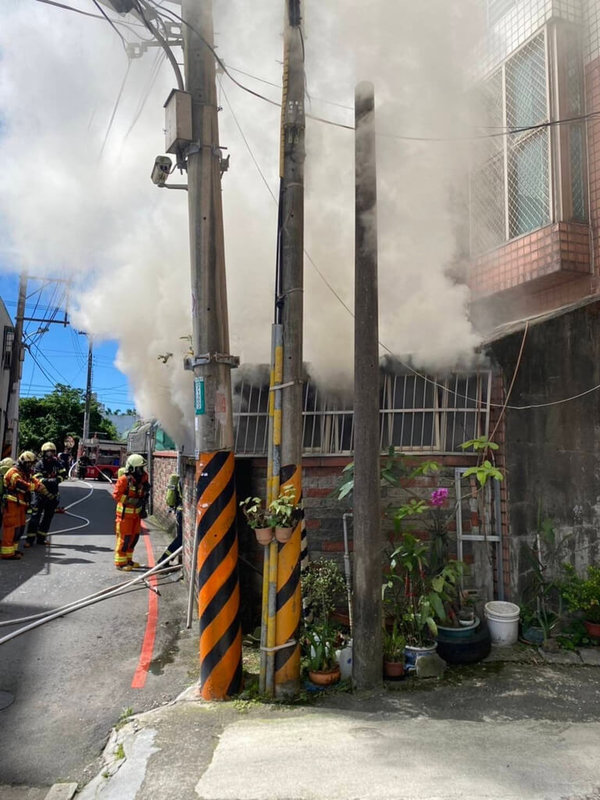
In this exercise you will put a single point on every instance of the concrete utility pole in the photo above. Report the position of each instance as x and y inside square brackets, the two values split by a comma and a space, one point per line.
[88, 393]
[218, 586]
[290, 307]
[367, 605]
[15, 373]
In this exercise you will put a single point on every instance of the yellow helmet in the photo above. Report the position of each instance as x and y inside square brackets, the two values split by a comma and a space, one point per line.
[27, 457]
[6, 464]
[48, 446]
[135, 460]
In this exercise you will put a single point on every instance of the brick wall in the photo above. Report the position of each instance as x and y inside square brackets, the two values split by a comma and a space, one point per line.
[323, 512]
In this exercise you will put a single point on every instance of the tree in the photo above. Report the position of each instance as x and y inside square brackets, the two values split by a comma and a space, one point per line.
[58, 414]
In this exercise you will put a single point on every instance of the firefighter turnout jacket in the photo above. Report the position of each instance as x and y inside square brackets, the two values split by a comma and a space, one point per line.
[50, 472]
[131, 495]
[18, 487]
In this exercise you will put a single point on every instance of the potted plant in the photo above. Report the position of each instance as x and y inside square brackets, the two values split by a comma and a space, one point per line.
[321, 645]
[284, 513]
[583, 595]
[322, 583]
[258, 519]
[415, 598]
[394, 643]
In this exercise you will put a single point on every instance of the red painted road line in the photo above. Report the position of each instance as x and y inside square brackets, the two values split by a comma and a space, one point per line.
[139, 678]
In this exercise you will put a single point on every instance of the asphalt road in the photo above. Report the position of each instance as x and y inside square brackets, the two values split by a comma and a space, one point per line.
[71, 679]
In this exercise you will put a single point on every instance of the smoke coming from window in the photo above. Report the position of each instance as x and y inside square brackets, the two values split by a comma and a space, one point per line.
[81, 126]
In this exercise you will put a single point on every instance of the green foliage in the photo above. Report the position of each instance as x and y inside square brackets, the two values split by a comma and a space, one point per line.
[255, 513]
[392, 470]
[582, 594]
[283, 511]
[483, 472]
[479, 445]
[322, 583]
[319, 646]
[57, 415]
[413, 595]
[542, 606]
[394, 643]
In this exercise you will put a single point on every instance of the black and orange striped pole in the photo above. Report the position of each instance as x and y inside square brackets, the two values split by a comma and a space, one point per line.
[216, 559]
[217, 570]
[290, 309]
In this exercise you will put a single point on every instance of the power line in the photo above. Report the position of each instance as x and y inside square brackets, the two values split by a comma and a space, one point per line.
[117, 101]
[111, 23]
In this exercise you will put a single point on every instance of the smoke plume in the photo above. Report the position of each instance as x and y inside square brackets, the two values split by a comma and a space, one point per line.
[77, 199]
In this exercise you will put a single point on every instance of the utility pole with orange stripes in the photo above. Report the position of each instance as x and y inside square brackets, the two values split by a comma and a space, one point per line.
[217, 553]
[289, 314]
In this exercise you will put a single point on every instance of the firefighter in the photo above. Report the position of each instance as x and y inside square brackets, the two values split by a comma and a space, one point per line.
[19, 483]
[50, 472]
[174, 501]
[131, 493]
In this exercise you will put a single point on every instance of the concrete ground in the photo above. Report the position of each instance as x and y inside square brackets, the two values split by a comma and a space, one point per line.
[520, 725]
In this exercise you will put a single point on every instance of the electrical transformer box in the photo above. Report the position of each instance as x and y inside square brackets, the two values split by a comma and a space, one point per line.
[178, 120]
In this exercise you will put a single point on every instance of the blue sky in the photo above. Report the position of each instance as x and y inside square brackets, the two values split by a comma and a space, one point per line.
[59, 354]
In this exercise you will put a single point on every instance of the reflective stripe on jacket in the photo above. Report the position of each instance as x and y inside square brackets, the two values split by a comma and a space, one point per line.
[130, 493]
[18, 487]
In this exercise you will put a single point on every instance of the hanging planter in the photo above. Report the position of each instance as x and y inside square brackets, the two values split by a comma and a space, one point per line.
[283, 534]
[264, 536]
[284, 514]
[257, 519]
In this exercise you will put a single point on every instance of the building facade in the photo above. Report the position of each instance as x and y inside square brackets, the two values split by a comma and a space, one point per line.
[534, 211]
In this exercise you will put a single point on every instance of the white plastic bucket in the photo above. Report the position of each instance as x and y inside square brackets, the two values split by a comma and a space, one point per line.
[503, 622]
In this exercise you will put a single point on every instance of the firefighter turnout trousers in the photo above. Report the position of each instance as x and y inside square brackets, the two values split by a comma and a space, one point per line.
[13, 520]
[128, 526]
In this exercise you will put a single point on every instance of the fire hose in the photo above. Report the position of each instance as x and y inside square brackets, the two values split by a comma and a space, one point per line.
[103, 594]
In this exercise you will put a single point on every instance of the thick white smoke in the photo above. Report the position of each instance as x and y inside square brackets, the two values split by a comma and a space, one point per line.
[77, 198]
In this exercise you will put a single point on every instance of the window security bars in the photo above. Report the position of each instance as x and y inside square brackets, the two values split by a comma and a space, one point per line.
[512, 176]
[417, 414]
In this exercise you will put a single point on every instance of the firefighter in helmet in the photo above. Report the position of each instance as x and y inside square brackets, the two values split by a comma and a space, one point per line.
[131, 493]
[19, 484]
[174, 501]
[50, 472]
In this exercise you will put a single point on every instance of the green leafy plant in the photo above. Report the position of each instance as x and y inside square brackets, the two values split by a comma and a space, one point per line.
[582, 594]
[322, 583]
[412, 595]
[255, 513]
[283, 511]
[320, 645]
[394, 643]
[542, 605]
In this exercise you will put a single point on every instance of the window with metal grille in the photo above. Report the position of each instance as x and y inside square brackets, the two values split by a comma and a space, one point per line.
[512, 176]
[417, 413]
